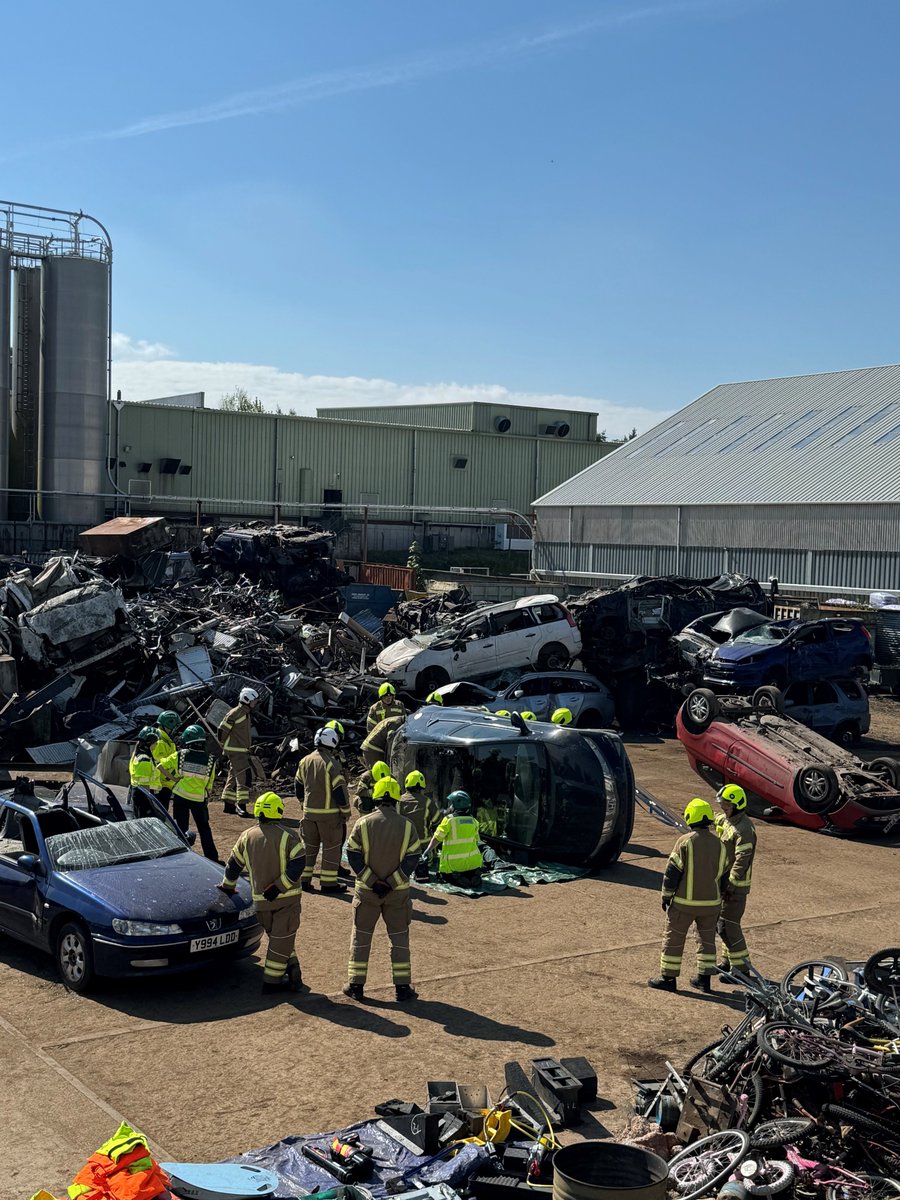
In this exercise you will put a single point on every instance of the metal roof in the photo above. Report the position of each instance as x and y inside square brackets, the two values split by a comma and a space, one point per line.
[806, 439]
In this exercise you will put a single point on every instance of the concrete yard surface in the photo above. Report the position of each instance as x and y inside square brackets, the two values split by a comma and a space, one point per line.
[207, 1067]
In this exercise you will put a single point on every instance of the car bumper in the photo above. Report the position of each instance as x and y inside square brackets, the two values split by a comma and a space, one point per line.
[120, 957]
[732, 681]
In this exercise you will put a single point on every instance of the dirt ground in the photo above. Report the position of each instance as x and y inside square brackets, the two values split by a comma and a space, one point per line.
[207, 1067]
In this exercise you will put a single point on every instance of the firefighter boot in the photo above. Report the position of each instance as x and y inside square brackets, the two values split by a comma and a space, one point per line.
[702, 982]
[663, 983]
[354, 991]
[295, 979]
[405, 993]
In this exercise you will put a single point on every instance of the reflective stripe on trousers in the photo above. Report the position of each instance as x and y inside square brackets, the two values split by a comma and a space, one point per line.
[395, 909]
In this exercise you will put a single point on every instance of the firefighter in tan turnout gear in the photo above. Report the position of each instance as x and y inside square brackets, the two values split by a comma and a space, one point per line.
[236, 738]
[271, 855]
[738, 836]
[387, 705]
[321, 786]
[692, 895]
[383, 851]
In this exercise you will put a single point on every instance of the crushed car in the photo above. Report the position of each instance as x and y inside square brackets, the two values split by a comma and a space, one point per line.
[589, 701]
[791, 773]
[553, 793]
[533, 631]
[782, 652]
[110, 893]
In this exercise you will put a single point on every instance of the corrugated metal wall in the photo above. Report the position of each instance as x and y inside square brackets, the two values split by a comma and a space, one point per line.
[293, 460]
[477, 417]
[853, 546]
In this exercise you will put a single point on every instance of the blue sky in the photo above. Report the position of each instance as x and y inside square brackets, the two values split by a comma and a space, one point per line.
[616, 201]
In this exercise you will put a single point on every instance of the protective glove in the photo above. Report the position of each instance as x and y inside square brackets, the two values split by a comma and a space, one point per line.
[271, 893]
[223, 887]
[380, 888]
[666, 902]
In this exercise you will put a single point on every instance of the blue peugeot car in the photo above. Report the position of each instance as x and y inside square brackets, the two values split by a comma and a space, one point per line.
[783, 652]
[112, 888]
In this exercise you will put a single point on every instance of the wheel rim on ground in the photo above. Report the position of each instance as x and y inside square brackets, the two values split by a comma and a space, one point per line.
[707, 1163]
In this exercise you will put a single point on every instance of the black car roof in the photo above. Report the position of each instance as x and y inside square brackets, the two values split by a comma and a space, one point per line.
[460, 726]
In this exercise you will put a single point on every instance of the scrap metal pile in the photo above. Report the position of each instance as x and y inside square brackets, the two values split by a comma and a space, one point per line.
[89, 649]
[802, 1097]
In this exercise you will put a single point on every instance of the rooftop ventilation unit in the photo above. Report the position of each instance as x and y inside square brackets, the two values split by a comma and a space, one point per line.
[557, 429]
[502, 424]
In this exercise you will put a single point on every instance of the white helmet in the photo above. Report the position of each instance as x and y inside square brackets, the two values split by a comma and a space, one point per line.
[248, 695]
[327, 737]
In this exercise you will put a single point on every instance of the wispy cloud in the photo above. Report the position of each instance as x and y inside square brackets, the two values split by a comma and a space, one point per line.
[143, 376]
[313, 88]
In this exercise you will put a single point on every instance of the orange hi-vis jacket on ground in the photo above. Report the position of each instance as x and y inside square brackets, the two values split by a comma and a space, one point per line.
[122, 1169]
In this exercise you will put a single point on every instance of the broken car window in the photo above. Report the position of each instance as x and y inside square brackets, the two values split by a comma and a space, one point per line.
[112, 845]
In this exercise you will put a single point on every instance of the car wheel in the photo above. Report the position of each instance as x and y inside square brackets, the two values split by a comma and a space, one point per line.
[816, 789]
[768, 700]
[590, 719]
[700, 710]
[75, 957]
[553, 657]
[847, 734]
[888, 769]
[430, 679]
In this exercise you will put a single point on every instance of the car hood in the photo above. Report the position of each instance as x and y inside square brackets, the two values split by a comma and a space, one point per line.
[398, 654]
[161, 889]
[735, 652]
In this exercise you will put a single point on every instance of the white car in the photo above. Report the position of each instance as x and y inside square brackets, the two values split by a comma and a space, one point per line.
[534, 631]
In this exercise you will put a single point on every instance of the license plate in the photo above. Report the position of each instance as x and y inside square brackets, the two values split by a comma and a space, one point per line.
[214, 940]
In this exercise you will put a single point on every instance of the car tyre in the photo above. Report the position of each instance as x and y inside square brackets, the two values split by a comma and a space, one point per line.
[700, 710]
[430, 679]
[768, 700]
[553, 657]
[75, 957]
[847, 734]
[888, 769]
[816, 789]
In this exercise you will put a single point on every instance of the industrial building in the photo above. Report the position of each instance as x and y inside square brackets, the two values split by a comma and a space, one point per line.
[797, 478]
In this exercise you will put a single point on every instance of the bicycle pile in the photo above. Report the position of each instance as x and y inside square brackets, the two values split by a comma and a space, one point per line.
[802, 1097]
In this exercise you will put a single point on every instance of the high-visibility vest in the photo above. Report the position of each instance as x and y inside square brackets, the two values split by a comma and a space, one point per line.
[193, 771]
[459, 844]
[144, 772]
[122, 1169]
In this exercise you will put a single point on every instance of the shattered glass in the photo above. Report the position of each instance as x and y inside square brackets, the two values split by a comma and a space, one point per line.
[112, 845]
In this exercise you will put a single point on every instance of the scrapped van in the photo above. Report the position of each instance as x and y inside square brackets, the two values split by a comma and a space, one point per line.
[541, 791]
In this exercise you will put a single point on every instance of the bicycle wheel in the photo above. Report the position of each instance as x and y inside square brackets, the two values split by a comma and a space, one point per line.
[694, 1060]
[795, 987]
[882, 972]
[783, 1131]
[700, 1168]
[767, 1178]
[879, 1188]
[799, 1048]
[864, 1122]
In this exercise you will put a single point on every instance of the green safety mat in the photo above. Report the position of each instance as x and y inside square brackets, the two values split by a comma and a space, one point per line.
[508, 877]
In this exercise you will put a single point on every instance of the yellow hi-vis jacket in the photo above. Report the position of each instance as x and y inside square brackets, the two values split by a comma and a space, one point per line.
[144, 772]
[459, 844]
[194, 772]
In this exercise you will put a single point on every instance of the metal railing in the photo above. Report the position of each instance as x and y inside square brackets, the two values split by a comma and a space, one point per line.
[31, 232]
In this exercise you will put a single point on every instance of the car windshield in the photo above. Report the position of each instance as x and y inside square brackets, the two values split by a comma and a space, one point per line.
[765, 634]
[112, 845]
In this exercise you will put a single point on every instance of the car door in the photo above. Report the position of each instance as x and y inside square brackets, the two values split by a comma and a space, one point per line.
[476, 651]
[566, 693]
[20, 898]
[824, 708]
[811, 653]
[796, 702]
[516, 637]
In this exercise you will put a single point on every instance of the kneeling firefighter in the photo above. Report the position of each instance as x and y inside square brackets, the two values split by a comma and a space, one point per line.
[272, 856]
[365, 800]
[383, 850]
[457, 835]
[194, 773]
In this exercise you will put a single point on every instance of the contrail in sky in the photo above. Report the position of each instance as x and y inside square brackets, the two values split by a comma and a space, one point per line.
[312, 88]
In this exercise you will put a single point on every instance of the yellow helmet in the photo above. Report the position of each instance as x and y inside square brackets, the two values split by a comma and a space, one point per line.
[414, 779]
[434, 698]
[528, 715]
[699, 811]
[336, 726]
[269, 805]
[734, 794]
[386, 787]
[380, 770]
[387, 689]
[562, 716]
[502, 712]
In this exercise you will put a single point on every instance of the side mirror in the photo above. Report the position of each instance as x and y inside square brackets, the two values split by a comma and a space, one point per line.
[31, 863]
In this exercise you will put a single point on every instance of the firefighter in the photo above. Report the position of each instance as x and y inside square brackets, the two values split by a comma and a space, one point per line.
[692, 895]
[418, 806]
[167, 724]
[143, 770]
[562, 716]
[736, 831]
[387, 705]
[193, 772]
[273, 857]
[458, 835]
[236, 737]
[434, 698]
[378, 743]
[364, 799]
[321, 786]
[383, 851]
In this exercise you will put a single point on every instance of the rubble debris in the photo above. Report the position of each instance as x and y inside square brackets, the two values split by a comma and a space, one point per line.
[297, 561]
[418, 616]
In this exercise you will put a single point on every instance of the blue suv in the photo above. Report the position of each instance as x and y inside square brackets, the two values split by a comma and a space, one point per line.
[783, 652]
